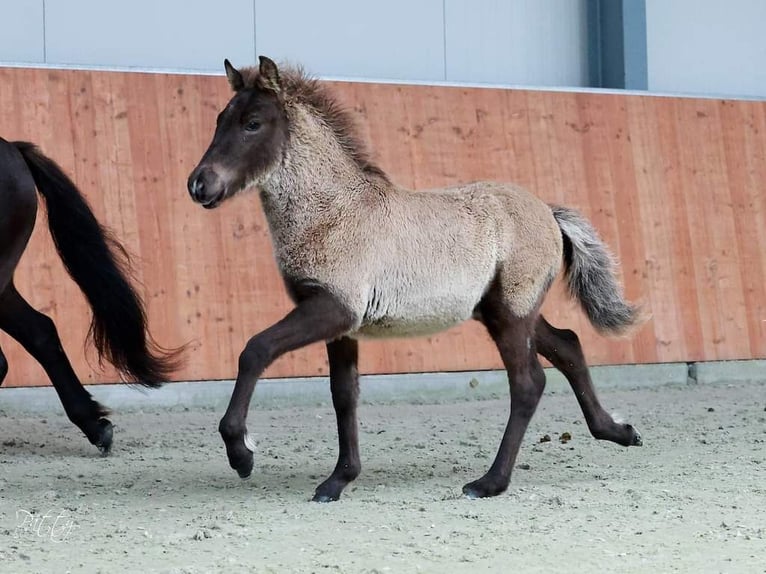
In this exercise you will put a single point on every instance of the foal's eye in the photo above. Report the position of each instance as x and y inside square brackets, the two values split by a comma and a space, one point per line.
[252, 126]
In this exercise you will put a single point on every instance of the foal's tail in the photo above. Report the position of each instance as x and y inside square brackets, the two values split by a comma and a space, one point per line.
[589, 269]
[99, 265]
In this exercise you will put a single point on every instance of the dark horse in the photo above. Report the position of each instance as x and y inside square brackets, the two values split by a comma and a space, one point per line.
[98, 264]
[364, 257]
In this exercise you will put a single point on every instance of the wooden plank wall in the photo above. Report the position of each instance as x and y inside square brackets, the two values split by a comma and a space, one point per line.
[676, 187]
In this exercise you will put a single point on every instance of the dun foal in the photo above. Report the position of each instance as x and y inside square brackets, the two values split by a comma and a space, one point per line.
[362, 257]
[98, 264]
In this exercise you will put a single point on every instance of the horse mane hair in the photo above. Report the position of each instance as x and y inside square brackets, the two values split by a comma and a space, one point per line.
[298, 86]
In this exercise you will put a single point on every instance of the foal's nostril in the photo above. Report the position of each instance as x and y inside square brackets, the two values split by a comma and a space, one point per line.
[197, 188]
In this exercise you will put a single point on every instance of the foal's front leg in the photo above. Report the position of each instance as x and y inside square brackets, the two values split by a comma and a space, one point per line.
[344, 384]
[320, 317]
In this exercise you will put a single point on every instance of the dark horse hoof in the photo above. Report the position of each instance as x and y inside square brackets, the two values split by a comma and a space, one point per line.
[241, 459]
[484, 487]
[325, 498]
[329, 491]
[635, 437]
[103, 438]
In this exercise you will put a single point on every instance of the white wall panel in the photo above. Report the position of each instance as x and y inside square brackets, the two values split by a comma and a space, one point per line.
[534, 42]
[707, 46]
[188, 34]
[21, 31]
[395, 39]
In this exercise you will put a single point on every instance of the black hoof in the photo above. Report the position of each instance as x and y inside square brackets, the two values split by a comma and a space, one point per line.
[635, 438]
[245, 474]
[103, 439]
[241, 460]
[325, 498]
[484, 487]
[622, 434]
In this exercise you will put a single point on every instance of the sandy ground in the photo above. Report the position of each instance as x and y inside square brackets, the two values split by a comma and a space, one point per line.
[692, 499]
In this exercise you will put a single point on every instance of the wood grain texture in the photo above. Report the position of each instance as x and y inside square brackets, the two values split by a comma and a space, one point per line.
[675, 186]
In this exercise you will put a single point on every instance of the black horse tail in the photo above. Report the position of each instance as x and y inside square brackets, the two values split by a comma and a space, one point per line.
[100, 266]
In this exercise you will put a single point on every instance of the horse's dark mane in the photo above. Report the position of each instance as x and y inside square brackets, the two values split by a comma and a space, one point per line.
[301, 87]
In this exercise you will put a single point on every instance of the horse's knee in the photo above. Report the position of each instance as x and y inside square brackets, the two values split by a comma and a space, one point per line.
[45, 335]
[255, 356]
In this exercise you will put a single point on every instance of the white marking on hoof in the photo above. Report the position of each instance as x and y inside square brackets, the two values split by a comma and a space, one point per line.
[249, 442]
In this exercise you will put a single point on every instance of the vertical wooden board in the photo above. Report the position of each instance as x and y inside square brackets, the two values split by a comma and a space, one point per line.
[715, 255]
[729, 285]
[663, 224]
[745, 151]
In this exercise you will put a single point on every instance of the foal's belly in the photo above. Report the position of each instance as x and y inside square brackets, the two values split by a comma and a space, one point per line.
[416, 317]
[394, 327]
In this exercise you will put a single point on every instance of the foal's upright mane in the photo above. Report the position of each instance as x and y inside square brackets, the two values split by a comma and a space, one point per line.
[299, 87]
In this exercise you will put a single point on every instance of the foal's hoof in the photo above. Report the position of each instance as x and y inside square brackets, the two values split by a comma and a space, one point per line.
[635, 437]
[622, 434]
[241, 459]
[103, 440]
[325, 498]
[484, 487]
[329, 491]
[243, 465]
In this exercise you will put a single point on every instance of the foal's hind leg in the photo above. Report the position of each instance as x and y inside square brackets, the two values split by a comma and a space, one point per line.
[562, 348]
[514, 339]
[37, 334]
[344, 385]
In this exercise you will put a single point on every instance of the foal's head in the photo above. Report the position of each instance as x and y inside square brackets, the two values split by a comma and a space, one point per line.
[255, 129]
[250, 136]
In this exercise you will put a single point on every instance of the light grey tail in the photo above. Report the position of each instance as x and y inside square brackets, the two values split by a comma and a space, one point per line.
[589, 269]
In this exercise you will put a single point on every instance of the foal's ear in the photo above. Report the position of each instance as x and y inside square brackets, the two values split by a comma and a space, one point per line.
[235, 78]
[268, 74]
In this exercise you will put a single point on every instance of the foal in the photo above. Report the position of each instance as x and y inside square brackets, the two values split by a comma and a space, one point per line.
[362, 257]
[99, 266]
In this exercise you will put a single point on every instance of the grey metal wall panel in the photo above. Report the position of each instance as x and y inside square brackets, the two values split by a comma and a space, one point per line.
[396, 39]
[531, 42]
[21, 31]
[707, 46]
[188, 34]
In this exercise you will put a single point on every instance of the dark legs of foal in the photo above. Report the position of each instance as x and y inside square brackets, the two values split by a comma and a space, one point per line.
[518, 341]
[319, 317]
[344, 385]
[37, 334]
[562, 348]
[514, 338]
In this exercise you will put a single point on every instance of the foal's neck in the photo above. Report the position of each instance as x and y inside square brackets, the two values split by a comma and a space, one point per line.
[316, 182]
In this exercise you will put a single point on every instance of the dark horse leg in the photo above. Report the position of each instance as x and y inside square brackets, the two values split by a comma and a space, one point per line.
[562, 348]
[344, 385]
[318, 317]
[37, 334]
[514, 337]
[3, 366]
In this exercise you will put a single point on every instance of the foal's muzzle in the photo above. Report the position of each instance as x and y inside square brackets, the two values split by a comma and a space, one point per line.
[206, 187]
